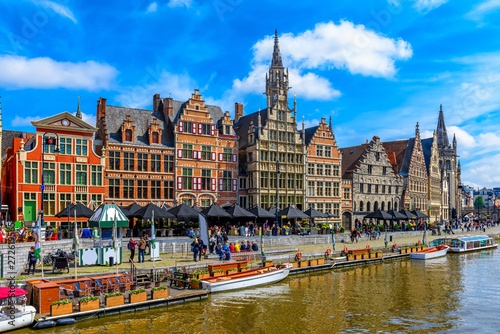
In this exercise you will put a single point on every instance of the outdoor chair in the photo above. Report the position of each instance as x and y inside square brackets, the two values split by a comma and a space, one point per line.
[65, 291]
[163, 232]
[80, 290]
[100, 285]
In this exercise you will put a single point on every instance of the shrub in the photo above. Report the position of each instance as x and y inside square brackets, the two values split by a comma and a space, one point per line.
[247, 267]
[218, 271]
[88, 299]
[159, 288]
[195, 280]
[134, 292]
[114, 294]
[61, 302]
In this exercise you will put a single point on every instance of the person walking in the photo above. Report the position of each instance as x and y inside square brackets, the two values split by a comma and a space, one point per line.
[195, 248]
[202, 248]
[31, 260]
[131, 246]
[142, 249]
[148, 243]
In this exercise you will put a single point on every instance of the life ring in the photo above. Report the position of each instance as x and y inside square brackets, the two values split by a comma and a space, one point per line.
[418, 242]
[328, 251]
[298, 256]
[367, 246]
[394, 246]
[345, 250]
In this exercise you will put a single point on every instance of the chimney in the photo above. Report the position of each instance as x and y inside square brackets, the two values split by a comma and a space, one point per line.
[168, 107]
[367, 141]
[238, 111]
[156, 102]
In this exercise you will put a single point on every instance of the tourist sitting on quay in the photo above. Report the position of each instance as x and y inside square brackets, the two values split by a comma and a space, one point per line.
[249, 246]
[255, 247]
[231, 247]
[237, 247]
[86, 234]
[219, 251]
[243, 247]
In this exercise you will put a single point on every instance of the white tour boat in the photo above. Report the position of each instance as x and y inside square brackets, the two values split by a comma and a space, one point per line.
[430, 253]
[261, 276]
[14, 313]
[466, 243]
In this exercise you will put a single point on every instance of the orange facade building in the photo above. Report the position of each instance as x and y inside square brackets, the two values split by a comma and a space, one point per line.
[74, 174]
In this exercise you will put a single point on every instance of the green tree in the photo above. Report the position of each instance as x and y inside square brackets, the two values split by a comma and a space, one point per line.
[479, 203]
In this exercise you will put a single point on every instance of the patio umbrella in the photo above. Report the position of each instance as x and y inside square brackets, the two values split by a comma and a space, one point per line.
[315, 213]
[151, 211]
[197, 208]
[272, 210]
[397, 215]
[215, 211]
[184, 213]
[419, 214]
[166, 207]
[379, 214]
[76, 210]
[237, 211]
[104, 217]
[292, 212]
[332, 215]
[261, 213]
[125, 211]
[408, 214]
[132, 208]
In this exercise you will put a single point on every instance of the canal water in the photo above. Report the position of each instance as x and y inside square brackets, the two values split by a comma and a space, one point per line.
[453, 294]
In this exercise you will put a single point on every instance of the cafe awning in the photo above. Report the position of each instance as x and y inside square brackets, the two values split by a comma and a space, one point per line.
[104, 217]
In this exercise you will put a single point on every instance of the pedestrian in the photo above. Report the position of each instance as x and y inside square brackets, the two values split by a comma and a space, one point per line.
[142, 249]
[86, 234]
[31, 260]
[202, 247]
[218, 251]
[195, 248]
[212, 243]
[131, 246]
[148, 243]
[252, 231]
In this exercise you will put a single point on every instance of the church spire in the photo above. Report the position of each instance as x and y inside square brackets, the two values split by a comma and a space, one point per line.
[442, 135]
[276, 62]
[78, 111]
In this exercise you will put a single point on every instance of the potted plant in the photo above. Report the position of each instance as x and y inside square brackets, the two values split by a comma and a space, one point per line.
[379, 254]
[268, 263]
[314, 230]
[231, 271]
[243, 269]
[313, 262]
[89, 303]
[358, 256]
[160, 292]
[114, 299]
[139, 295]
[294, 264]
[303, 263]
[196, 284]
[373, 255]
[321, 261]
[61, 307]
[218, 272]
[202, 274]
[350, 257]
[366, 256]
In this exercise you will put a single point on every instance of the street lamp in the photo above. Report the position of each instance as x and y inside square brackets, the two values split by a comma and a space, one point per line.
[277, 174]
[46, 141]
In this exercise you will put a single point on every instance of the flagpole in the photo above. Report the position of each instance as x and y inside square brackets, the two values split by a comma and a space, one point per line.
[115, 241]
[152, 250]
[76, 245]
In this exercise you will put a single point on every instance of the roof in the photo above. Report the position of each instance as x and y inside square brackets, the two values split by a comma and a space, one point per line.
[351, 157]
[427, 149]
[396, 152]
[310, 134]
[241, 127]
[8, 139]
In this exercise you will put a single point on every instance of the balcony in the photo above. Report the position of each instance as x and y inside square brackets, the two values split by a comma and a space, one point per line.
[81, 189]
[50, 188]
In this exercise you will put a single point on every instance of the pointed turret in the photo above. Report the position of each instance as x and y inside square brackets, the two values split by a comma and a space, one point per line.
[442, 135]
[276, 82]
[417, 131]
[78, 111]
[276, 62]
[454, 142]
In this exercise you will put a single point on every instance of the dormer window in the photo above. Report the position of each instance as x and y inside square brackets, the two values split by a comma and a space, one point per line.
[128, 130]
[155, 139]
[128, 135]
[197, 107]
[154, 133]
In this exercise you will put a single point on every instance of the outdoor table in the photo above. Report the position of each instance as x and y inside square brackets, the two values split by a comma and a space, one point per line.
[181, 278]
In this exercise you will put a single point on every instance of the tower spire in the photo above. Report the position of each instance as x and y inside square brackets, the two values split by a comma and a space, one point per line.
[442, 135]
[78, 111]
[276, 62]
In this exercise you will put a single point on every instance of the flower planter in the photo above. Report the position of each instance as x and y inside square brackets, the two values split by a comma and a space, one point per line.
[61, 309]
[313, 262]
[243, 270]
[424, 248]
[218, 274]
[373, 255]
[314, 231]
[366, 256]
[295, 264]
[321, 261]
[138, 297]
[196, 285]
[402, 251]
[114, 301]
[303, 264]
[160, 294]
[89, 306]
[230, 272]
[379, 255]
[203, 276]
[350, 257]
[358, 257]
[268, 264]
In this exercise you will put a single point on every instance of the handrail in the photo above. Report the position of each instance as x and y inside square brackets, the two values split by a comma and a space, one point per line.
[133, 270]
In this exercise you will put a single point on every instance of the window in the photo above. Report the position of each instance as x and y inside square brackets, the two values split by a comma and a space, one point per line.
[64, 200]
[299, 161]
[319, 151]
[142, 189]
[206, 176]
[272, 135]
[206, 153]
[336, 209]
[49, 204]
[187, 150]
[263, 155]
[299, 182]
[376, 189]
[226, 180]
[49, 173]
[65, 146]
[65, 174]
[389, 189]
[383, 189]
[169, 189]
[49, 148]
[128, 135]
[97, 199]
[319, 188]
[263, 179]
[281, 180]
[81, 175]
[142, 162]
[227, 130]
[370, 169]
[188, 127]
[319, 207]
[155, 189]
[377, 156]
[361, 187]
[328, 170]
[347, 193]
[81, 147]
[336, 169]
[128, 161]
[264, 201]
[361, 206]
[128, 188]
[187, 201]
[155, 163]
[384, 171]
[96, 176]
[369, 191]
[227, 155]
[30, 172]
[187, 178]
[168, 162]
[243, 182]
[328, 151]
[81, 198]
[319, 169]
[291, 180]
[114, 160]
[290, 158]
[114, 188]
[272, 180]
[328, 189]
[335, 188]
[205, 203]
[310, 168]
[310, 188]
[155, 138]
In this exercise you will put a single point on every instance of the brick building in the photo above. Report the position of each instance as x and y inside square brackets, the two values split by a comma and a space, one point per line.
[74, 174]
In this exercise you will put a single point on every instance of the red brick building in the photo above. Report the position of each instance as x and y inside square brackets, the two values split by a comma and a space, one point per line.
[74, 174]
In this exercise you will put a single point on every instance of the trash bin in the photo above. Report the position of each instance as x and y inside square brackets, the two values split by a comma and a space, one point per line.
[390, 238]
[268, 233]
[111, 261]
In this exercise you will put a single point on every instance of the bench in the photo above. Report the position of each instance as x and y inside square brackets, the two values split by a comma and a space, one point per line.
[183, 278]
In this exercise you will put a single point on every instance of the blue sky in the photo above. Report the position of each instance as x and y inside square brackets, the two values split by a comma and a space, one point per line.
[377, 66]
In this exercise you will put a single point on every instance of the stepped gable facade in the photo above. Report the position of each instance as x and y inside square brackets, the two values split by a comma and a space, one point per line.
[431, 156]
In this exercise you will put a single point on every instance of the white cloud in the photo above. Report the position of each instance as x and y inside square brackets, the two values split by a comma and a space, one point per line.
[180, 3]
[428, 5]
[89, 118]
[24, 121]
[46, 73]
[308, 123]
[482, 9]
[180, 86]
[152, 8]
[57, 8]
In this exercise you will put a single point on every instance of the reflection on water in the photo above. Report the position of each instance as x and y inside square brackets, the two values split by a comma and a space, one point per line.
[456, 293]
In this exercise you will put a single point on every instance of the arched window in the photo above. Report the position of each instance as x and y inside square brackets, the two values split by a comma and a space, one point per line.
[128, 135]
[155, 138]
[361, 206]
[396, 205]
[368, 206]
[389, 206]
[382, 206]
[375, 206]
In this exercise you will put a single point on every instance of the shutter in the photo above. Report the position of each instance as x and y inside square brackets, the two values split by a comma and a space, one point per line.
[200, 128]
[193, 129]
[179, 182]
[234, 185]
[214, 156]
[234, 157]
[221, 156]
[214, 184]
[199, 183]
[199, 155]
[220, 184]
[181, 126]
[195, 154]
[179, 153]
[212, 129]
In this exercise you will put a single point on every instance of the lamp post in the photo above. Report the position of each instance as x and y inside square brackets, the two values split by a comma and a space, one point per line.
[277, 176]
[46, 141]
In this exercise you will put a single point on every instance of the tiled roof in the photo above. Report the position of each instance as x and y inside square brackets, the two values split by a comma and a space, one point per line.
[427, 149]
[8, 139]
[310, 134]
[351, 157]
[241, 127]
[396, 152]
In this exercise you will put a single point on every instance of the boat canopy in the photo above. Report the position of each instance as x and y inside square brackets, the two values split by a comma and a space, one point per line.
[10, 293]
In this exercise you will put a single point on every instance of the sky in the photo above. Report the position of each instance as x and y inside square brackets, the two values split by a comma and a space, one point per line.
[377, 67]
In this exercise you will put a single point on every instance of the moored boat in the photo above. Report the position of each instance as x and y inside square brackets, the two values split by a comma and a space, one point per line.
[255, 277]
[467, 243]
[430, 253]
[14, 313]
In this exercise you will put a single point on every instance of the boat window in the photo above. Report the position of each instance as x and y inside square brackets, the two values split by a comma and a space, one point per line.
[476, 244]
[470, 245]
[455, 242]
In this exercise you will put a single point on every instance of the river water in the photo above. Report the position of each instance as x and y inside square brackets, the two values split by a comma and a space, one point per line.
[453, 294]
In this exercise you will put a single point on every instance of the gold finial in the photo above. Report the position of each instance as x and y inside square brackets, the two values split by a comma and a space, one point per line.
[294, 95]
